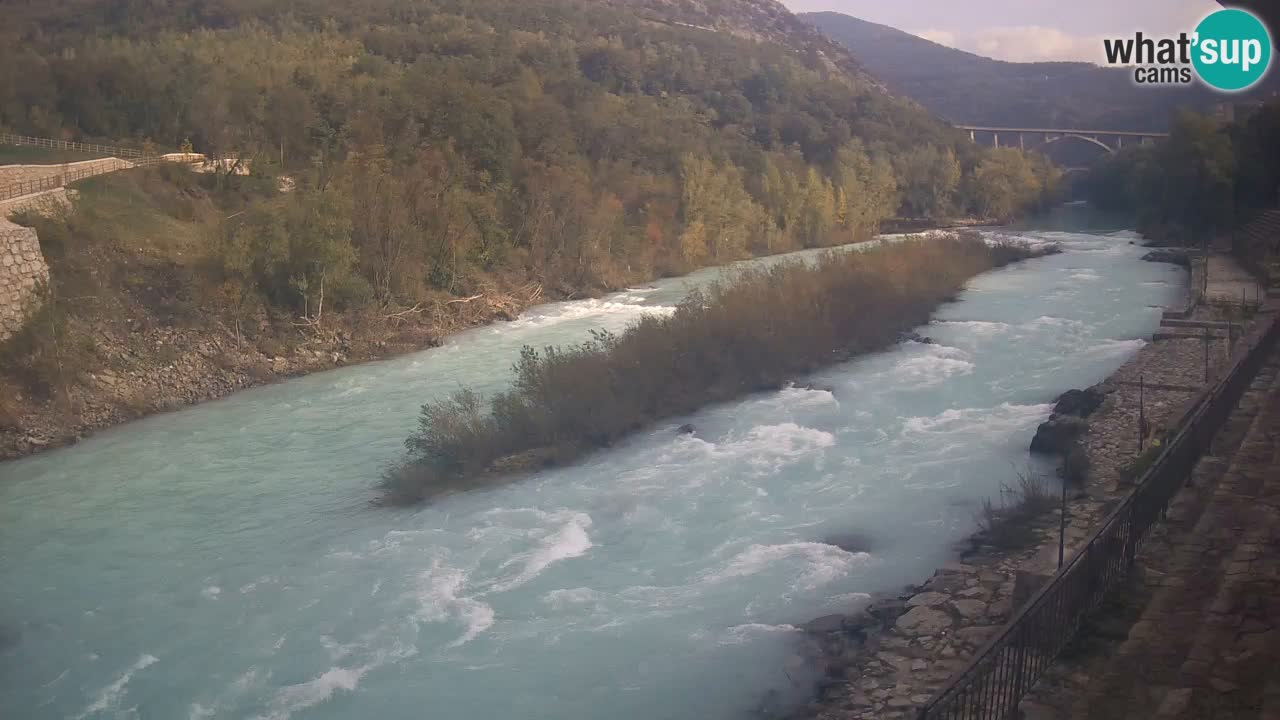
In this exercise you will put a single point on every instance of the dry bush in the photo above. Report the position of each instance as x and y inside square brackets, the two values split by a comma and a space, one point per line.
[757, 331]
[1010, 523]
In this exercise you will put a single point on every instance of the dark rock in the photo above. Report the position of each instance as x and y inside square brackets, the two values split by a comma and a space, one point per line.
[820, 388]
[1078, 403]
[686, 429]
[825, 624]
[849, 542]
[915, 337]
[1057, 435]
[1177, 257]
[887, 611]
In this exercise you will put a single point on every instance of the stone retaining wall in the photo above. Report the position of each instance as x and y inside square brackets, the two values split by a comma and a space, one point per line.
[23, 273]
[12, 174]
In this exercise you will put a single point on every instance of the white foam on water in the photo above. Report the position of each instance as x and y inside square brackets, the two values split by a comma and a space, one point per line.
[200, 712]
[570, 597]
[822, 563]
[293, 698]
[1115, 348]
[1052, 322]
[581, 309]
[979, 328]
[793, 396]
[569, 541]
[782, 441]
[1001, 419]
[109, 696]
[439, 601]
[212, 592]
[739, 634]
[932, 365]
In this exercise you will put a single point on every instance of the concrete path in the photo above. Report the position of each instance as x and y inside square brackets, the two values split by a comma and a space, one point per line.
[1231, 283]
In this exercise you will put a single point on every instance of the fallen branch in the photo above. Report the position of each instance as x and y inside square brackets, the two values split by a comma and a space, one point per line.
[463, 301]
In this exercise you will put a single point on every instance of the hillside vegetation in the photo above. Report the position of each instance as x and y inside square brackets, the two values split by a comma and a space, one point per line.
[454, 160]
[753, 332]
[1207, 179]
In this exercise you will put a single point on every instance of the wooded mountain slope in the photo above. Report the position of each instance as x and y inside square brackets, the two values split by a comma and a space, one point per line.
[975, 90]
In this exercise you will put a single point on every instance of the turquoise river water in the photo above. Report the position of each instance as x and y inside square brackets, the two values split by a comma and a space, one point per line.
[225, 561]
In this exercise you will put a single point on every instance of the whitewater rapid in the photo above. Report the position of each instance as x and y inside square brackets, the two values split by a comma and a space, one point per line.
[225, 561]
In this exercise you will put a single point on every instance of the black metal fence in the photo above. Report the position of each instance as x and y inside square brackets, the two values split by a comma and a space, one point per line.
[1001, 673]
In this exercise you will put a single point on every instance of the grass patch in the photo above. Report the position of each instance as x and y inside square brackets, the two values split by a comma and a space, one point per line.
[755, 332]
[31, 155]
[1010, 523]
[1133, 470]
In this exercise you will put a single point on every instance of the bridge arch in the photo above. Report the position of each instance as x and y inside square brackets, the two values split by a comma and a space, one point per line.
[1073, 136]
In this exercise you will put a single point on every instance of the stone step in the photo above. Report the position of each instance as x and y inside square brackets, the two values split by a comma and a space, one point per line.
[1148, 675]
[1209, 324]
[1188, 335]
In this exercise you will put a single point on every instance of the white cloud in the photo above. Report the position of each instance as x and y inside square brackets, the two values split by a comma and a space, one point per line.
[1022, 43]
[942, 37]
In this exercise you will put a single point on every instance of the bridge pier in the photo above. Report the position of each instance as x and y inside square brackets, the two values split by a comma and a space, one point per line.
[995, 139]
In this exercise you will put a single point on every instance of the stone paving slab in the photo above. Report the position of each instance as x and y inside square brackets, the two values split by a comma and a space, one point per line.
[1197, 637]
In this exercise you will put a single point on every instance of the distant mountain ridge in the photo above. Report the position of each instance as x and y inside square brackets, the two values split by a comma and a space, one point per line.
[965, 88]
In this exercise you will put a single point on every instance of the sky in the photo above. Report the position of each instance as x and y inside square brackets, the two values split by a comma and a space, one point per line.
[1024, 30]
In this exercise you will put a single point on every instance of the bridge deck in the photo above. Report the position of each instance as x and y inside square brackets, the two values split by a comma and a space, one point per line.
[1111, 133]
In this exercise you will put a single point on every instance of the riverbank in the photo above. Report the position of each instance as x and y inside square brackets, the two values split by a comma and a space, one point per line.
[157, 348]
[145, 368]
[887, 658]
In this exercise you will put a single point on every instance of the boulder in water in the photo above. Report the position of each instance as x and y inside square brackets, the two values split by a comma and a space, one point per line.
[849, 542]
[915, 337]
[1057, 435]
[1078, 403]
[686, 429]
[1177, 257]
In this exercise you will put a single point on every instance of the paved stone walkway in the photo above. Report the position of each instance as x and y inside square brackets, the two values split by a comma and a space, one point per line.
[1197, 637]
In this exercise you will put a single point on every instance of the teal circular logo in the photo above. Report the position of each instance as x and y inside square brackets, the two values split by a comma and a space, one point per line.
[1232, 49]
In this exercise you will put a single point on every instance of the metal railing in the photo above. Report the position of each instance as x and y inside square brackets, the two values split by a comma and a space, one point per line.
[11, 139]
[71, 174]
[1000, 674]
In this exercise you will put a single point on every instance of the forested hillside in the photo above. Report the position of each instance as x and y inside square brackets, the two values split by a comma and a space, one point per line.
[583, 141]
[975, 90]
[449, 150]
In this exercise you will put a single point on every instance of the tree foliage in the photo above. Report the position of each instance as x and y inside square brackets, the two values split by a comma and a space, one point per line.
[1182, 189]
[434, 143]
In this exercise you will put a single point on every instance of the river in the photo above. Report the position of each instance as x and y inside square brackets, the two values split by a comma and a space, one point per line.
[225, 561]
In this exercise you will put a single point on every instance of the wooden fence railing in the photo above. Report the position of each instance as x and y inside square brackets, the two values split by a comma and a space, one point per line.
[11, 139]
[71, 174]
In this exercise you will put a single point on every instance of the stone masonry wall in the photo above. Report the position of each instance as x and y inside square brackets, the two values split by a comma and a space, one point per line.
[24, 173]
[22, 272]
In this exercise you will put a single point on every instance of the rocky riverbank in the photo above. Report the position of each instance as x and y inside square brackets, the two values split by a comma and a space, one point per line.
[884, 660]
[142, 367]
